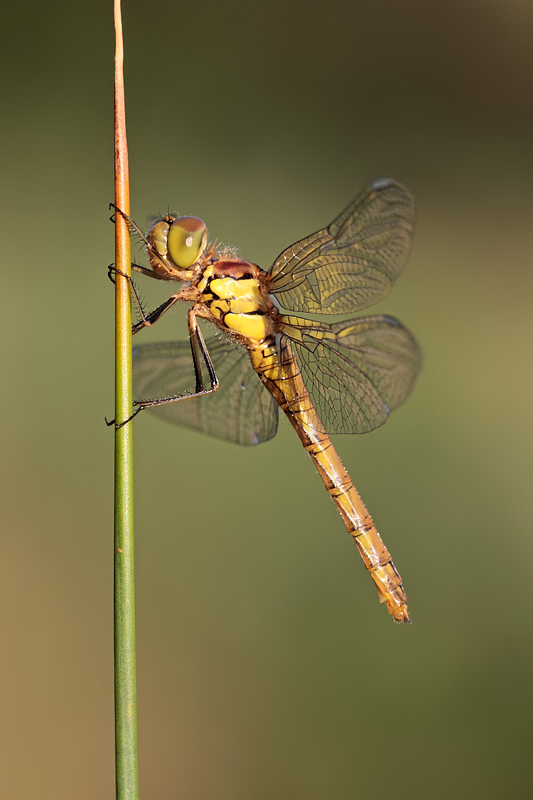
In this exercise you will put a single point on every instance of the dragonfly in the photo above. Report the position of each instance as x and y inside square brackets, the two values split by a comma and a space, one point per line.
[260, 355]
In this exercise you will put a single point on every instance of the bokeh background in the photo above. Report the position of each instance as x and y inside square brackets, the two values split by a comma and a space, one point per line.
[266, 667]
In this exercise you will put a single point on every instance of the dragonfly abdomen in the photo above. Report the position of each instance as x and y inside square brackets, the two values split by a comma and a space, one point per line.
[281, 374]
[360, 525]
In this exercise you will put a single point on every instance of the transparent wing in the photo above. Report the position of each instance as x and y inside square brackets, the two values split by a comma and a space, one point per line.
[356, 371]
[352, 263]
[242, 410]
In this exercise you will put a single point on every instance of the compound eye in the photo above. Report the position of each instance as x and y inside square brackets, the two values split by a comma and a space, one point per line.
[187, 238]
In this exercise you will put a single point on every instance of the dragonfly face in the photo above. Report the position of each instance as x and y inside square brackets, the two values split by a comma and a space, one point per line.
[343, 377]
[175, 245]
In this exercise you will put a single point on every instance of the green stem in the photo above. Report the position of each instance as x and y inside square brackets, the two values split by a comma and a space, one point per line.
[125, 669]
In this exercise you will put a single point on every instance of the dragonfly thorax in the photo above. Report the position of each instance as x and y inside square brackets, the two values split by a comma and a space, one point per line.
[233, 292]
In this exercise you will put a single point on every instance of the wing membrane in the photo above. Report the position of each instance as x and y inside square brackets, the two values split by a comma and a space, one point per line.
[352, 263]
[356, 371]
[241, 410]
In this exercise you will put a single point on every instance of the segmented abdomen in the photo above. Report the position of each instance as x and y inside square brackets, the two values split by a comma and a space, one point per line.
[280, 373]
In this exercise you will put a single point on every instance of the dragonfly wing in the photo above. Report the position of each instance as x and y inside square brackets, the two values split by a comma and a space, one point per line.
[356, 371]
[352, 263]
[241, 410]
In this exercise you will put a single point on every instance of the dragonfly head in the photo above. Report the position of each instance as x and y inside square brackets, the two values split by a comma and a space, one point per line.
[180, 240]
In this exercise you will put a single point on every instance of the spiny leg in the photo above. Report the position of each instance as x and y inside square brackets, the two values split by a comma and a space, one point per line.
[152, 251]
[133, 225]
[146, 319]
[198, 347]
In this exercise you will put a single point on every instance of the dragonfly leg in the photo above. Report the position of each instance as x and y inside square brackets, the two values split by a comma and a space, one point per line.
[111, 271]
[198, 347]
[154, 315]
[146, 319]
[133, 225]
[142, 236]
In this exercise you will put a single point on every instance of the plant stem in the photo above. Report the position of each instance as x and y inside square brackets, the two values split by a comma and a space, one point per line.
[125, 671]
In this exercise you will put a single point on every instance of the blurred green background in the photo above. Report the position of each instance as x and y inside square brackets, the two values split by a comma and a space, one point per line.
[266, 667]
